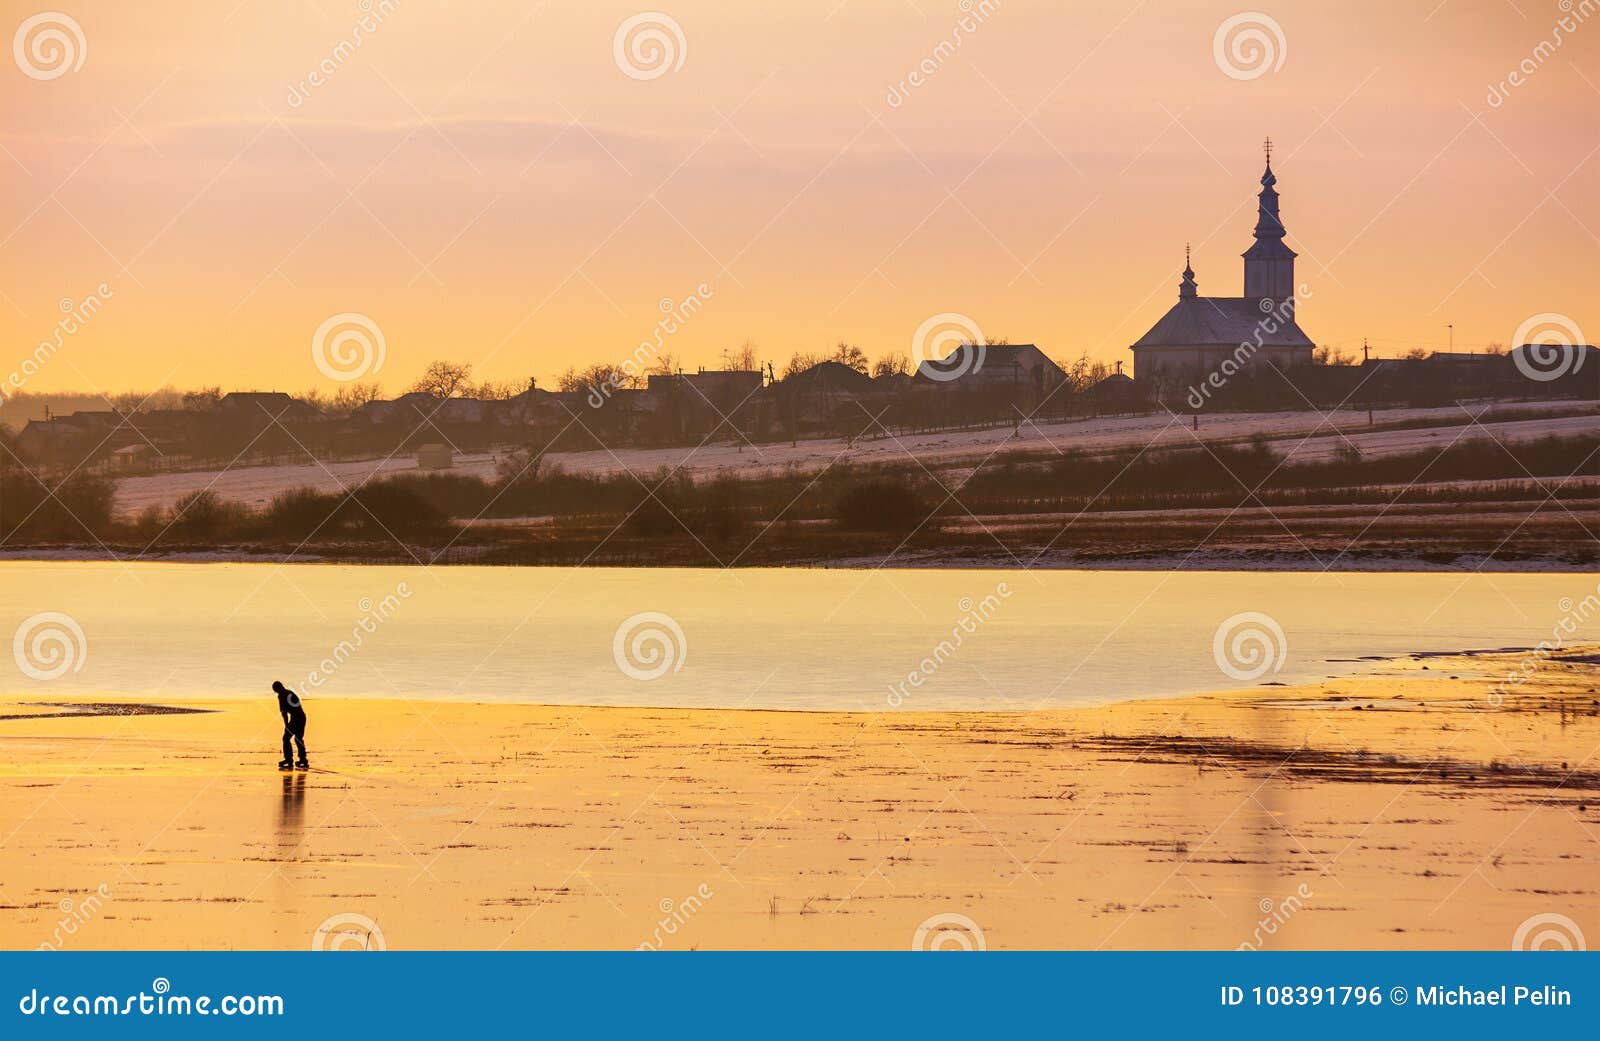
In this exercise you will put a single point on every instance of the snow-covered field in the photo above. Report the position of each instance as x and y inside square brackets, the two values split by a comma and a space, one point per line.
[1308, 436]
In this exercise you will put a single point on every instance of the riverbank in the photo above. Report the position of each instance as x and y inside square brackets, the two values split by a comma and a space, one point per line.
[1196, 561]
[1414, 807]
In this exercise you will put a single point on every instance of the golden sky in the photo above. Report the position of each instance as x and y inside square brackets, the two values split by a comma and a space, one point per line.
[486, 180]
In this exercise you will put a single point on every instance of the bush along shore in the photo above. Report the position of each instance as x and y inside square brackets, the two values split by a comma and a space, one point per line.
[1476, 500]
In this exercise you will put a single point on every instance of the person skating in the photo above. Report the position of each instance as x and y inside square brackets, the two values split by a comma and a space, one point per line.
[293, 712]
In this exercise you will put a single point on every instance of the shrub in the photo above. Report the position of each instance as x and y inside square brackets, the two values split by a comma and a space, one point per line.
[391, 508]
[300, 513]
[451, 495]
[73, 508]
[880, 504]
[203, 514]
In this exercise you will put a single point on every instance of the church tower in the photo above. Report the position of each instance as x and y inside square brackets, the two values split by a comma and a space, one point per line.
[1269, 264]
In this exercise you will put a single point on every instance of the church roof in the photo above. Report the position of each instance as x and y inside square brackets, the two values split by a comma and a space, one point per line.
[1222, 321]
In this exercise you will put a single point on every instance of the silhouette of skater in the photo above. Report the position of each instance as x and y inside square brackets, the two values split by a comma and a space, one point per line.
[294, 725]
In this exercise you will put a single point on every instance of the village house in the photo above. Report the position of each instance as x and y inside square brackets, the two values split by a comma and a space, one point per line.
[1015, 368]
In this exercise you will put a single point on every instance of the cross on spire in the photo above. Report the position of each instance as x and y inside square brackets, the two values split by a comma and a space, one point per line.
[1267, 145]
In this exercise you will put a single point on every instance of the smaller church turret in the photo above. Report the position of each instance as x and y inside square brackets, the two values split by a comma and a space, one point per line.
[1269, 264]
[1187, 288]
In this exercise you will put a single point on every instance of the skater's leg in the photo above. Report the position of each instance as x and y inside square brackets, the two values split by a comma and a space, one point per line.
[287, 734]
[300, 742]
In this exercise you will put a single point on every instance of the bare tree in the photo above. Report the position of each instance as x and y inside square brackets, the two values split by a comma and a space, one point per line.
[895, 363]
[743, 358]
[851, 355]
[1084, 372]
[441, 380]
[800, 362]
[155, 400]
[489, 390]
[604, 378]
[202, 399]
[1333, 356]
[352, 396]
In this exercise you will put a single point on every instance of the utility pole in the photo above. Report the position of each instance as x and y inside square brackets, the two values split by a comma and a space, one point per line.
[1452, 328]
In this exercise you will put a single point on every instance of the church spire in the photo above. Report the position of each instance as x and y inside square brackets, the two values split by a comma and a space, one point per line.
[1269, 264]
[1187, 287]
[1268, 223]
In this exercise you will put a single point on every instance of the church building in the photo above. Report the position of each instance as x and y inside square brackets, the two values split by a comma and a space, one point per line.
[1205, 334]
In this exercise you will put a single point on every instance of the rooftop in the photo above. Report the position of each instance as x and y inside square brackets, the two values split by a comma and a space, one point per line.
[1223, 321]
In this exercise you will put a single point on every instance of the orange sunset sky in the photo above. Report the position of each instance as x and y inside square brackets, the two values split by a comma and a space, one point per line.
[487, 183]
